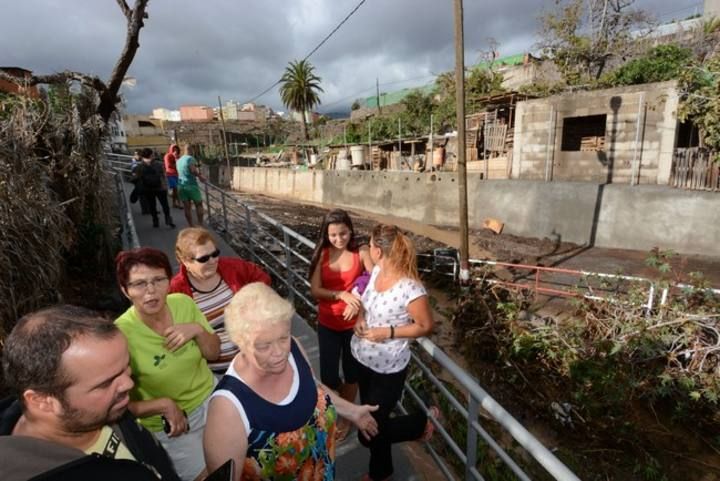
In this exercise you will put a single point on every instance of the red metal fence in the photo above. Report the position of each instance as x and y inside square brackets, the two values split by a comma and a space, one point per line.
[696, 169]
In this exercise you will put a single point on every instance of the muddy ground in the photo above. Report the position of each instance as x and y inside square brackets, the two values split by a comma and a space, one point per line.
[484, 244]
[596, 456]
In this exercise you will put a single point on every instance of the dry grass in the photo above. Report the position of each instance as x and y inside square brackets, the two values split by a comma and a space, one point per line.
[54, 201]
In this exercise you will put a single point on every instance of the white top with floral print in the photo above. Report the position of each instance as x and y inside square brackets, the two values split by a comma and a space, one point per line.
[384, 309]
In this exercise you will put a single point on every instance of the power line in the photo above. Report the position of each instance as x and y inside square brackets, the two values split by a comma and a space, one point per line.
[314, 49]
[335, 29]
[354, 96]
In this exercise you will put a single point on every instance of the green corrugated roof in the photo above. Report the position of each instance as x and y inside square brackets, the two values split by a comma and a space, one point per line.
[391, 98]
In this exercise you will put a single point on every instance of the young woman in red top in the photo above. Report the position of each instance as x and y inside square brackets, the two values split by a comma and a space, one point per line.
[336, 263]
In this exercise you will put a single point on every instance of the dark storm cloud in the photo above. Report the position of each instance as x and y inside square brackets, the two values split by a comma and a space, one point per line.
[191, 52]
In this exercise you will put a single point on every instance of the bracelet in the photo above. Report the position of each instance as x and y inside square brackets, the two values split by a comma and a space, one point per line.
[392, 332]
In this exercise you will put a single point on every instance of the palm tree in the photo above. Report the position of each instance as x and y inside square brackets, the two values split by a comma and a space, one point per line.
[299, 89]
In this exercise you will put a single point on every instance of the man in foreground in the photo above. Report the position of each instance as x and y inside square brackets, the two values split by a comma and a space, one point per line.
[69, 370]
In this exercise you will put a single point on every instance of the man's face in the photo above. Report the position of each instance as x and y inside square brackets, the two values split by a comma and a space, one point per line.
[99, 372]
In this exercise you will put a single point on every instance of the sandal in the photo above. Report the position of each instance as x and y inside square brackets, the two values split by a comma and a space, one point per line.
[433, 412]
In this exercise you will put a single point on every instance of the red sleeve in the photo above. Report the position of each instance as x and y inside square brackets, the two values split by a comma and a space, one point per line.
[258, 274]
[242, 272]
[179, 284]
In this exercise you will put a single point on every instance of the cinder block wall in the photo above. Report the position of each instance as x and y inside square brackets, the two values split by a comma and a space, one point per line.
[617, 216]
[539, 133]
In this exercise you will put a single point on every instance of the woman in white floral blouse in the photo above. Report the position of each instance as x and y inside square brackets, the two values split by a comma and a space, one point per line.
[395, 311]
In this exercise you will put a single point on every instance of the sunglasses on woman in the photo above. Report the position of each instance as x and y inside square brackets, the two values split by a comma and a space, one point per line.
[206, 257]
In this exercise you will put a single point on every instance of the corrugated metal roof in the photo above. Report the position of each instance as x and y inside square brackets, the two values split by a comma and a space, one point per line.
[391, 98]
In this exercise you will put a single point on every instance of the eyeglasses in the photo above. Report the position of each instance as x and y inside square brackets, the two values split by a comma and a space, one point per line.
[206, 257]
[143, 285]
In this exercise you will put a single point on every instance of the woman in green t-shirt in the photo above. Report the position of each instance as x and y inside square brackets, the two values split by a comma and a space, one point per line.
[170, 342]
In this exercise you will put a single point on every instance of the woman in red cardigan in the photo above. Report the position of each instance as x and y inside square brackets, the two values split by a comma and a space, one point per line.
[211, 280]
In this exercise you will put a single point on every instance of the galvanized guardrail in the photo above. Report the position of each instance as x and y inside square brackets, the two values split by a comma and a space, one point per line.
[118, 168]
[286, 254]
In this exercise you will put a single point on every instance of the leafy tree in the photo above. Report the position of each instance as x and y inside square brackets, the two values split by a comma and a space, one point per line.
[582, 37]
[299, 89]
[416, 117]
[481, 82]
[661, 63]
[700, 94]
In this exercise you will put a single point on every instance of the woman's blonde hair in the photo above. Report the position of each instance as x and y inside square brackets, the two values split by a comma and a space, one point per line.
[397, 249]
[253, 307]
[188, 238]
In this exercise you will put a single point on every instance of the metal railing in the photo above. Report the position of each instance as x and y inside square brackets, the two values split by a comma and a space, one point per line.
[118, 166]
[286, 254]
[570, 282]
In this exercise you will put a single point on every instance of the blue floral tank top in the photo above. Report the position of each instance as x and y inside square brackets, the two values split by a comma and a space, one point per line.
[290, 441]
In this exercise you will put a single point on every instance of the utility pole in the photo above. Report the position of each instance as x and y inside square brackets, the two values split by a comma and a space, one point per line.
[462, 170]
[377, 91]
[222, 123]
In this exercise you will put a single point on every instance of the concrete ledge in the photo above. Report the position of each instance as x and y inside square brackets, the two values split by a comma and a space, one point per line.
[614, 215]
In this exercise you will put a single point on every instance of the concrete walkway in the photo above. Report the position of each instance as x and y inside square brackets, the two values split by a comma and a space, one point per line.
[352, 457]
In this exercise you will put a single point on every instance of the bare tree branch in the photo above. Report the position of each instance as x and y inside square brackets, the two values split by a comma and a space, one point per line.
[125, 9]
[109, 98]
[56, 78]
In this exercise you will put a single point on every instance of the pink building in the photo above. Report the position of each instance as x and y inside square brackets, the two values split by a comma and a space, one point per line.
[197, 113]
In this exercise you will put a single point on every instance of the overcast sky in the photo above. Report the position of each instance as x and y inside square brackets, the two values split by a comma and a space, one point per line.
[192, 51]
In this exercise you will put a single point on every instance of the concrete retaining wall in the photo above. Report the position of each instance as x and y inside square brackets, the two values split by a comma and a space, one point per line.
[617, 216]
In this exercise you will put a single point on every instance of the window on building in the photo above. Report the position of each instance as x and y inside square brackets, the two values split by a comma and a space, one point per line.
[687, 135]
[584, 133]
[145, 123]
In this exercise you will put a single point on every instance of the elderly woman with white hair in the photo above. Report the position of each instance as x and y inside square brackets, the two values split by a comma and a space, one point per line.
[268, 413]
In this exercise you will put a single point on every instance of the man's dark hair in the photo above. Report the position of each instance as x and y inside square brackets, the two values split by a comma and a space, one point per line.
[146, 153]
[33, 351]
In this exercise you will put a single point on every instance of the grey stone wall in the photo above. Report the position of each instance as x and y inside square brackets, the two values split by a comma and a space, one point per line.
[617, 216]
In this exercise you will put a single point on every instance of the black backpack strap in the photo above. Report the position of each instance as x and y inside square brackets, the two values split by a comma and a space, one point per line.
[95, 467]
[144, 447]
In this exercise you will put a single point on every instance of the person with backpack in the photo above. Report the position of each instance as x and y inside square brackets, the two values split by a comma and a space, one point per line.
[68, 370]
[151, 184]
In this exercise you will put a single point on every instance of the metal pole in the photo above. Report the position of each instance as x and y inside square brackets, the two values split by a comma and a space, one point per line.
[460, 116]
[377, 91]
[369, 154]
[249, 230]
[635, 176]
[548, 160]
[222, 123]
[431, 148]
[207, 201]
[288, 267]
[399, 157]
[224, 211]
[472, 436]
